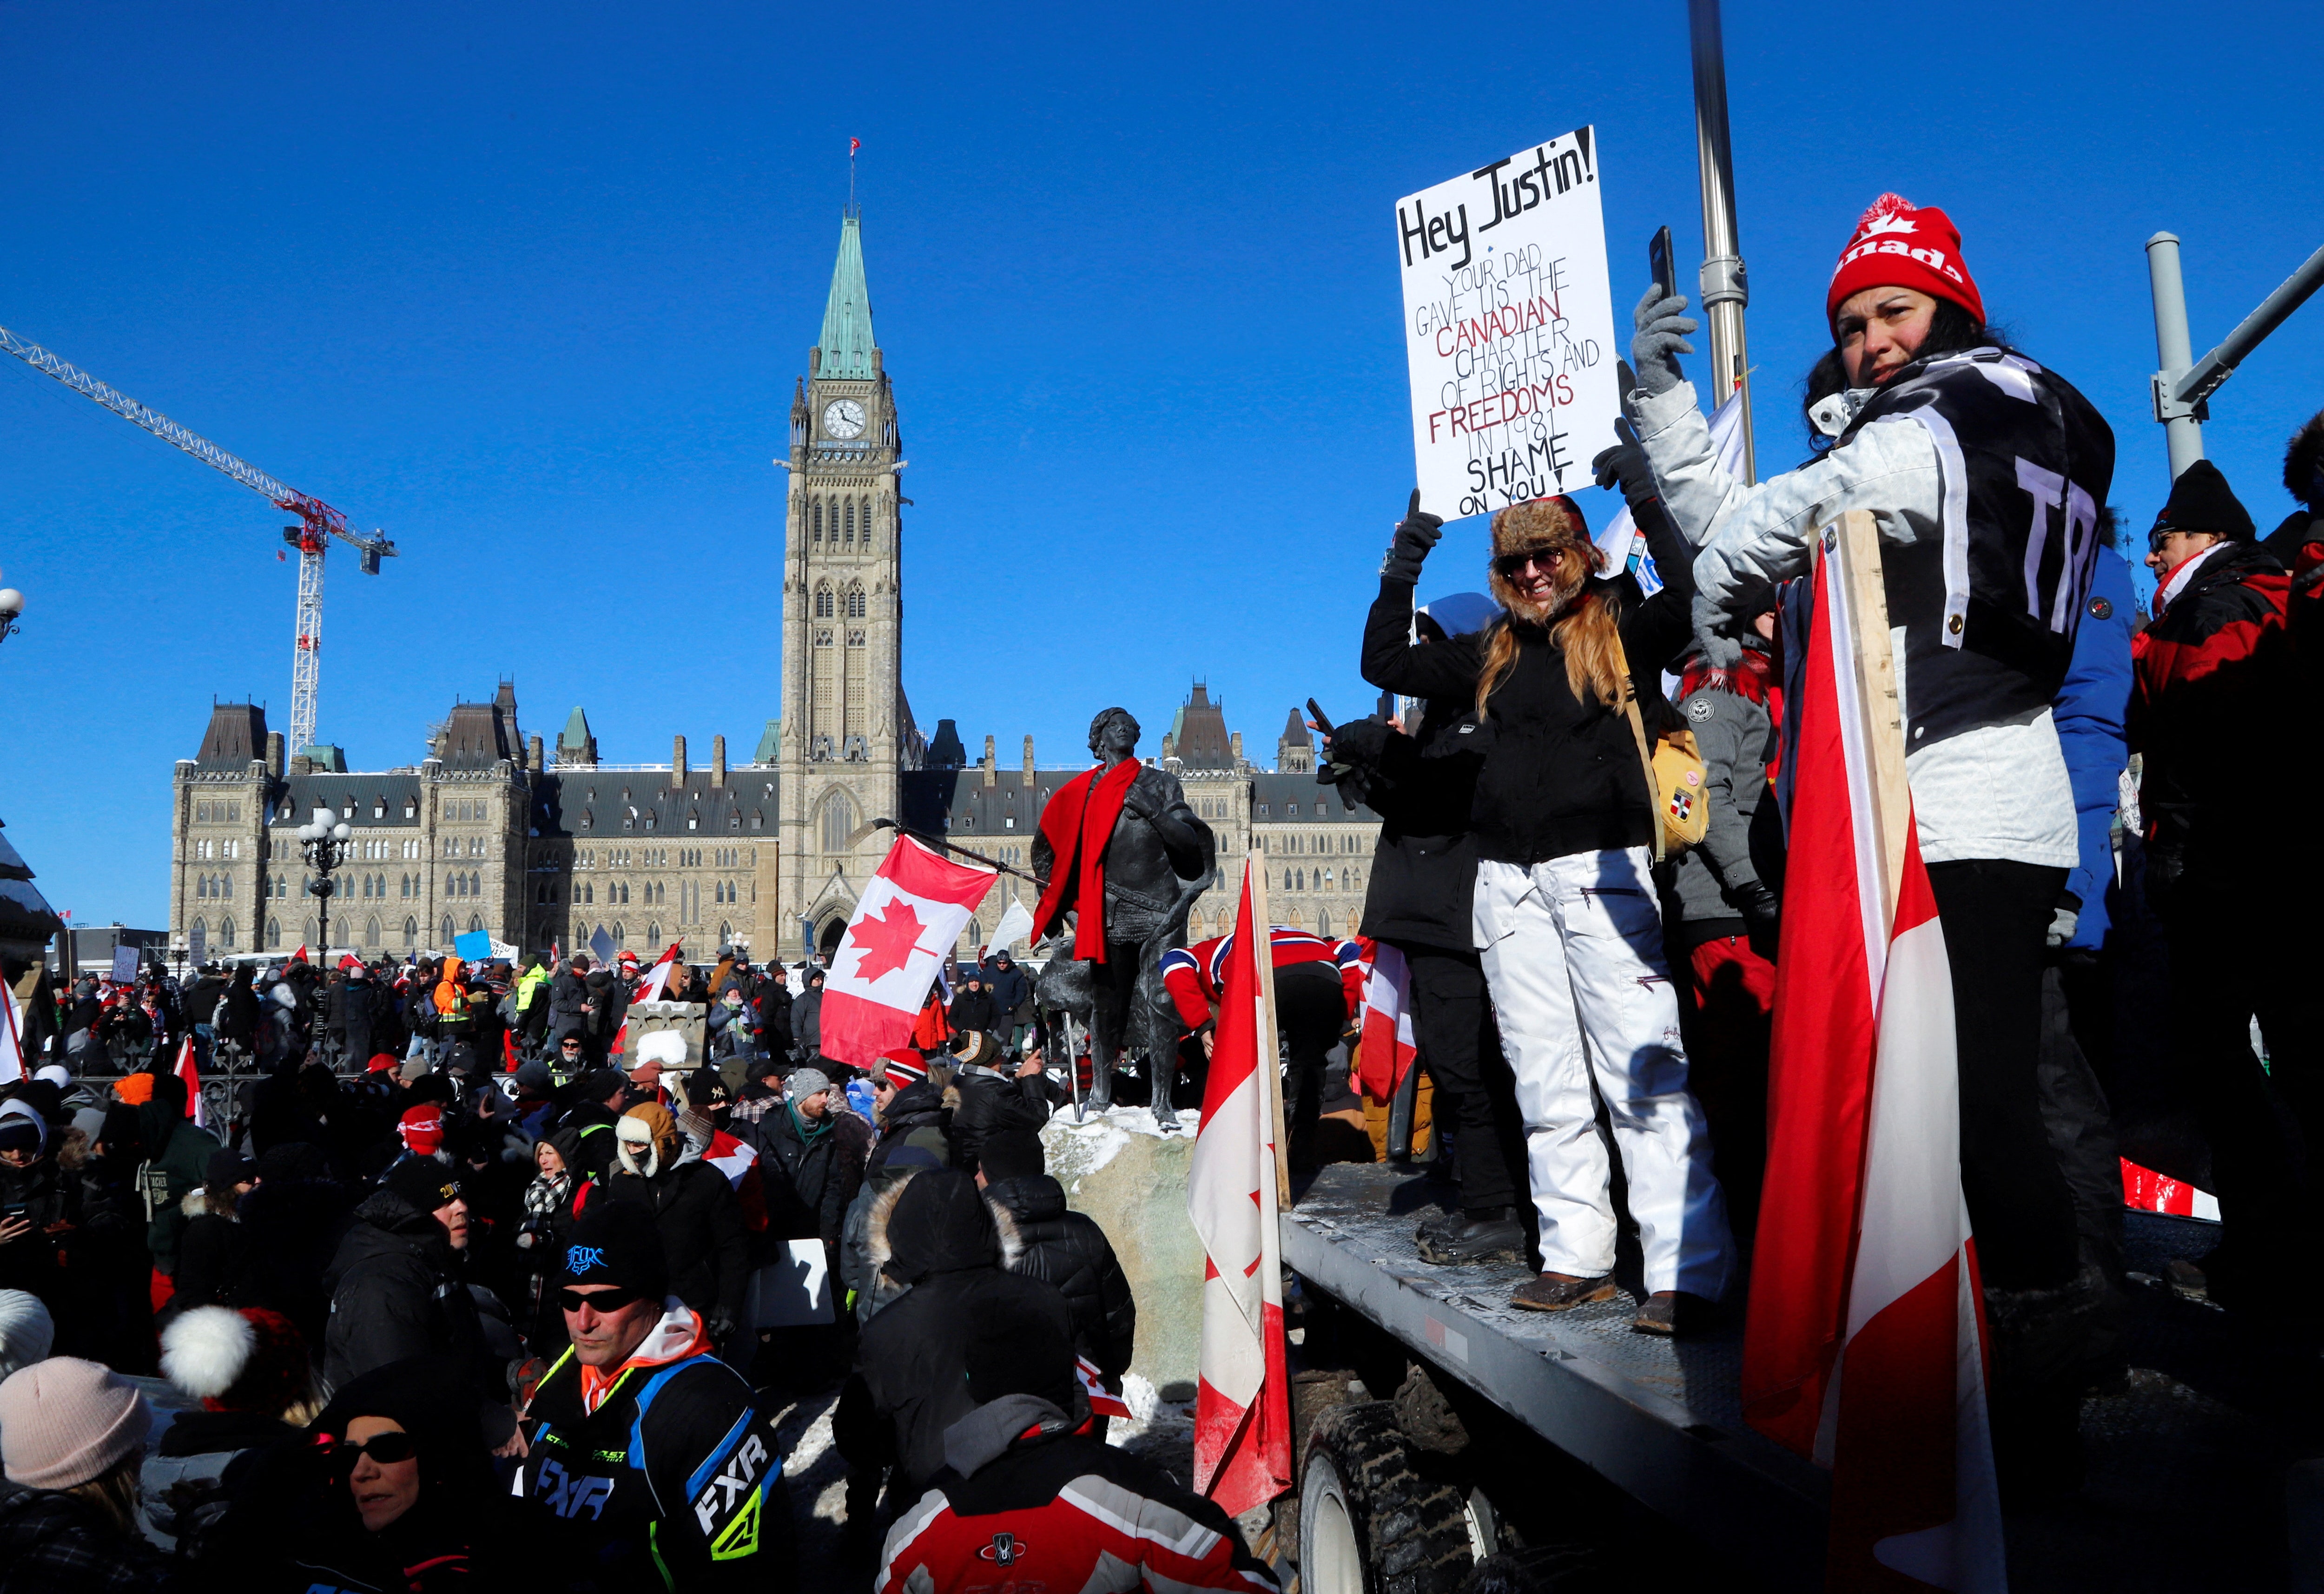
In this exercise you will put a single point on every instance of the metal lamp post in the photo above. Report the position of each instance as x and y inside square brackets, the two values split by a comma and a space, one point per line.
[12, 603]
[323, 841]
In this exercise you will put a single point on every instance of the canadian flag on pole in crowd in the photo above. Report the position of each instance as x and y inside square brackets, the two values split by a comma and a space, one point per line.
[1102, 1401]
[912, 912]
[191, 1078]
[1388, 1048]
[1864, 1345]
[11, 1038]
[656, 980]
[1243, 1414]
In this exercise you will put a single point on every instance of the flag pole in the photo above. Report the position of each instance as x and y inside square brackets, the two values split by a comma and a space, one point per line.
[1270, 1058]
[1853, 543]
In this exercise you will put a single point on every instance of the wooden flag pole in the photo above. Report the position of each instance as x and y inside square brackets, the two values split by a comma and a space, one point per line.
[1270, 1049]
[1852, 544]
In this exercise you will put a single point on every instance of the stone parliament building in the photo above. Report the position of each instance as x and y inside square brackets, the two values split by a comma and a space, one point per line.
[543, 844]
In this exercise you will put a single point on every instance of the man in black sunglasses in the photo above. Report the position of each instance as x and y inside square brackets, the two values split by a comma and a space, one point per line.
[652, 1453]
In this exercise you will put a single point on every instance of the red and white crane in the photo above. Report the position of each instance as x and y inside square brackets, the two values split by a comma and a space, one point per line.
[318, 521]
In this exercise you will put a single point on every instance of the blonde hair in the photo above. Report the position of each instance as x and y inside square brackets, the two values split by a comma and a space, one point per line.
[1587, 623]
[114, 1492]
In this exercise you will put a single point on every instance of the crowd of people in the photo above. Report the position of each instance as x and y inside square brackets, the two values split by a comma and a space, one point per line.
[2091, 788]
[461, 1281]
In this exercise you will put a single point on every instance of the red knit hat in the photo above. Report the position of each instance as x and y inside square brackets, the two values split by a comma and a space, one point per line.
[381, 1063]
[423, 1128]
[1899, 245]
[250, 1360]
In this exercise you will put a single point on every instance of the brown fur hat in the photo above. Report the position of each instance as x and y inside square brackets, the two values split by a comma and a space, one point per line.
[1541, 523]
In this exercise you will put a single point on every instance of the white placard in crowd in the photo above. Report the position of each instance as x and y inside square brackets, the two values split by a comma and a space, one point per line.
[1509, 329]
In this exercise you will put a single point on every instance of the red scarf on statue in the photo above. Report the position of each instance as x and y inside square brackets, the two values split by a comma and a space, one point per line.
[1078, 822]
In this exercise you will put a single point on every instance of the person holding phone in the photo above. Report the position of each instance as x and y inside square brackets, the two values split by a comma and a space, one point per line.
[37, 1205]
[1985, 473]
[1563, 913]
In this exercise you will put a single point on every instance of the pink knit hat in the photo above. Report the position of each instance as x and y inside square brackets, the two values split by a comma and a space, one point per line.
[65, 1421]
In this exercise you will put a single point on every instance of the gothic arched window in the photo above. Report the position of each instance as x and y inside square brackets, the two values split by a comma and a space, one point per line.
[838, 822]
[850, 521]
[818, 519]
[226, 933]
[410, 934]
[823, 603]
[856, 604]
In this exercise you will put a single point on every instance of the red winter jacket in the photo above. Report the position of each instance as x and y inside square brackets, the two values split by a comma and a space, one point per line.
[2215, 703]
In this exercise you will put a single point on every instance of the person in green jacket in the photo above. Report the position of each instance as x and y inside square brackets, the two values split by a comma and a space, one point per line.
[179, 1150]
[532, 1002]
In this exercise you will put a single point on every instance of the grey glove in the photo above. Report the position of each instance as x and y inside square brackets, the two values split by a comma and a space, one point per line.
[1415, 535]
[1719, 650]
[1660, 339]
[2062, 924]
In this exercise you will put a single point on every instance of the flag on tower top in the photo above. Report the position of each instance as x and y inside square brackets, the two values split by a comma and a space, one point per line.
[854, 144]
[913, 910]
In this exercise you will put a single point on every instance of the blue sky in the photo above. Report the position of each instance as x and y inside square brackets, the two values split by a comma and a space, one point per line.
[527, 286]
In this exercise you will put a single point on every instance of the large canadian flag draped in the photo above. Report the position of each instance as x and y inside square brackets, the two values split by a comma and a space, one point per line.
[1864, 1344]
[1242, 1412]
[909, 917]
[1389, 1049]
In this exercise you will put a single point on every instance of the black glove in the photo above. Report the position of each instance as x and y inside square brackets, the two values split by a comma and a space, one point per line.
[1625, 463]
[1416, 534]
[1351, 754]
[1762, 915]
[719, 1325]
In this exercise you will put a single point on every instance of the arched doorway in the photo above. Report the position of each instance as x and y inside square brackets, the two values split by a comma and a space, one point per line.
[827, 939]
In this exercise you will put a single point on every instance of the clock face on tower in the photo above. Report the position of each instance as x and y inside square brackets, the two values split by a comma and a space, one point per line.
[843, 419]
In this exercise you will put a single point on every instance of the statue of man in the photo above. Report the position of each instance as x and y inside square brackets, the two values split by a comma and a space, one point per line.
[1121, 853]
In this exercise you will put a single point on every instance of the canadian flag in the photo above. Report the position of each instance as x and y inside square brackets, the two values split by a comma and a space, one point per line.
[1102, 1401]
[191, 1078]
[1243, 1415]
[912, 912]
[1864, 1344]
[656, 980]
[1387, 1034]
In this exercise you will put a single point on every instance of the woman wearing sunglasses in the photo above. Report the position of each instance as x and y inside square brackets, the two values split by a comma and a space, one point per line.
[1564, 915]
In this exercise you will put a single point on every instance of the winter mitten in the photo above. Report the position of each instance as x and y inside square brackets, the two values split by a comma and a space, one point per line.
[1719, 650]
[1415, 535]
[1626, 463]
[2062, 924]
[1660, 339]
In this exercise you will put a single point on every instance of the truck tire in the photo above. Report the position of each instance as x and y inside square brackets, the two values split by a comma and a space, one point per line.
[1368, 1522]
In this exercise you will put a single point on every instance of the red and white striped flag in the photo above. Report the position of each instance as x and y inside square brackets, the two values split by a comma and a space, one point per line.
[191, 1078]
[656, 980]
[912, 912]
[1243, 1414]
[1864, 1345]
[1102, 1401]
[1387, 1045]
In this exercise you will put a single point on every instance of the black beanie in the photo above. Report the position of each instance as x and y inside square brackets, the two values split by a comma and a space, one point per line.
[423, 1182]
[615, 1243]
[1011, 1154]
[2201, 501]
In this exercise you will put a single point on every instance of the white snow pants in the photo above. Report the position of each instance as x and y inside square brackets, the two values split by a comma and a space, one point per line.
[1572, 951]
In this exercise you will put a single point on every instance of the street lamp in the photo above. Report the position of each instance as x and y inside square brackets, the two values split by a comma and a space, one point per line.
[323, 841]
[12, 603]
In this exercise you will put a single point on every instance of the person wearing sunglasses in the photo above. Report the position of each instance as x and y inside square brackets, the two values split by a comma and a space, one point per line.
[653, 1458]
[1564, 915]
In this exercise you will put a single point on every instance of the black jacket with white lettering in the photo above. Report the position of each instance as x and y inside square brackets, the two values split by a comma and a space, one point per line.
[674, 1481]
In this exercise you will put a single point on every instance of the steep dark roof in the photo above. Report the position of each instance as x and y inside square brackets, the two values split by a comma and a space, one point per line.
[588, 804]
[944, 749]
[1198, 733]
[236, 735]
[1316, 803]
[387, 793]
[477, 736]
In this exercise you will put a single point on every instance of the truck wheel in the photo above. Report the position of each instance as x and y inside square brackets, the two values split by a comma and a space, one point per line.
[1368, 1523]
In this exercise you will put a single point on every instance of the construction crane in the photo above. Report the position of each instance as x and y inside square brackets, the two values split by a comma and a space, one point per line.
[318, 521]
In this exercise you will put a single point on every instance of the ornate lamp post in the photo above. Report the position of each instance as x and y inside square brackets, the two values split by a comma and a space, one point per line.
[12, 603]
[323, 841]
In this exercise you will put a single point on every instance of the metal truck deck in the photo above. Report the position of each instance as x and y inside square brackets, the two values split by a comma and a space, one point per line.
[2187, 1462]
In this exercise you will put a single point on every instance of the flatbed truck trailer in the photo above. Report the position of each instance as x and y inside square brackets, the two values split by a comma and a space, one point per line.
[1434, 1424]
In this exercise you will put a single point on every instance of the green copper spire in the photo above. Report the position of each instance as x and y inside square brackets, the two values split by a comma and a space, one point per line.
[847, 319]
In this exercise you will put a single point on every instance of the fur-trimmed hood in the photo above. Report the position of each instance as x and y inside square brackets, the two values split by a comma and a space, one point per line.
[200, 1202]
[940, 1231]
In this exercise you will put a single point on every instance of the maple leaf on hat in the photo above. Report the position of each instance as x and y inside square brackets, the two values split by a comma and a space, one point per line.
[886, 940]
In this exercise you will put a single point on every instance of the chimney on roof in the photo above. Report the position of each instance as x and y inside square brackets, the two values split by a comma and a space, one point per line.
[718, 760]
[1234, 744]
[678, 760]
[274, 752]
[1028, 763]
[533, 754]
[992, 776]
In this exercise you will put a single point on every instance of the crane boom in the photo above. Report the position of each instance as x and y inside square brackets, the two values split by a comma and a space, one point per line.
[319, 521]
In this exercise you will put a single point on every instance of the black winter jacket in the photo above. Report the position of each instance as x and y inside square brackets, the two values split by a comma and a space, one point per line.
[985, 1102]
[1069, 1250]
[934, 1231]
[1424, 871]
[808, 1183]
[397, 1292]
[702, 1235]
[973, 1010]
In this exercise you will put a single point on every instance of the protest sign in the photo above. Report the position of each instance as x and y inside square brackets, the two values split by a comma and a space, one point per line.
[1509, 329]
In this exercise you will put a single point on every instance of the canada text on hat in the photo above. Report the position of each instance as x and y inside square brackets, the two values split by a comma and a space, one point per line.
[423, 1128]
[1899, 244]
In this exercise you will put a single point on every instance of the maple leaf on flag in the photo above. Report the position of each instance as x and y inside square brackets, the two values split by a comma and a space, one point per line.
[886, 941]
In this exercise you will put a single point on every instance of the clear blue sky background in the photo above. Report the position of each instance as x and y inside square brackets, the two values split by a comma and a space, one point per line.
[527, 286]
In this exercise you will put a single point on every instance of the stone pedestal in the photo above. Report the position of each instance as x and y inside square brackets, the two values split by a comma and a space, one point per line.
[1132, 1180]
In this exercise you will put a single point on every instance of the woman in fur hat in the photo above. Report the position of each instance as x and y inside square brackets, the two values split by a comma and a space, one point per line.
[1564, 914]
